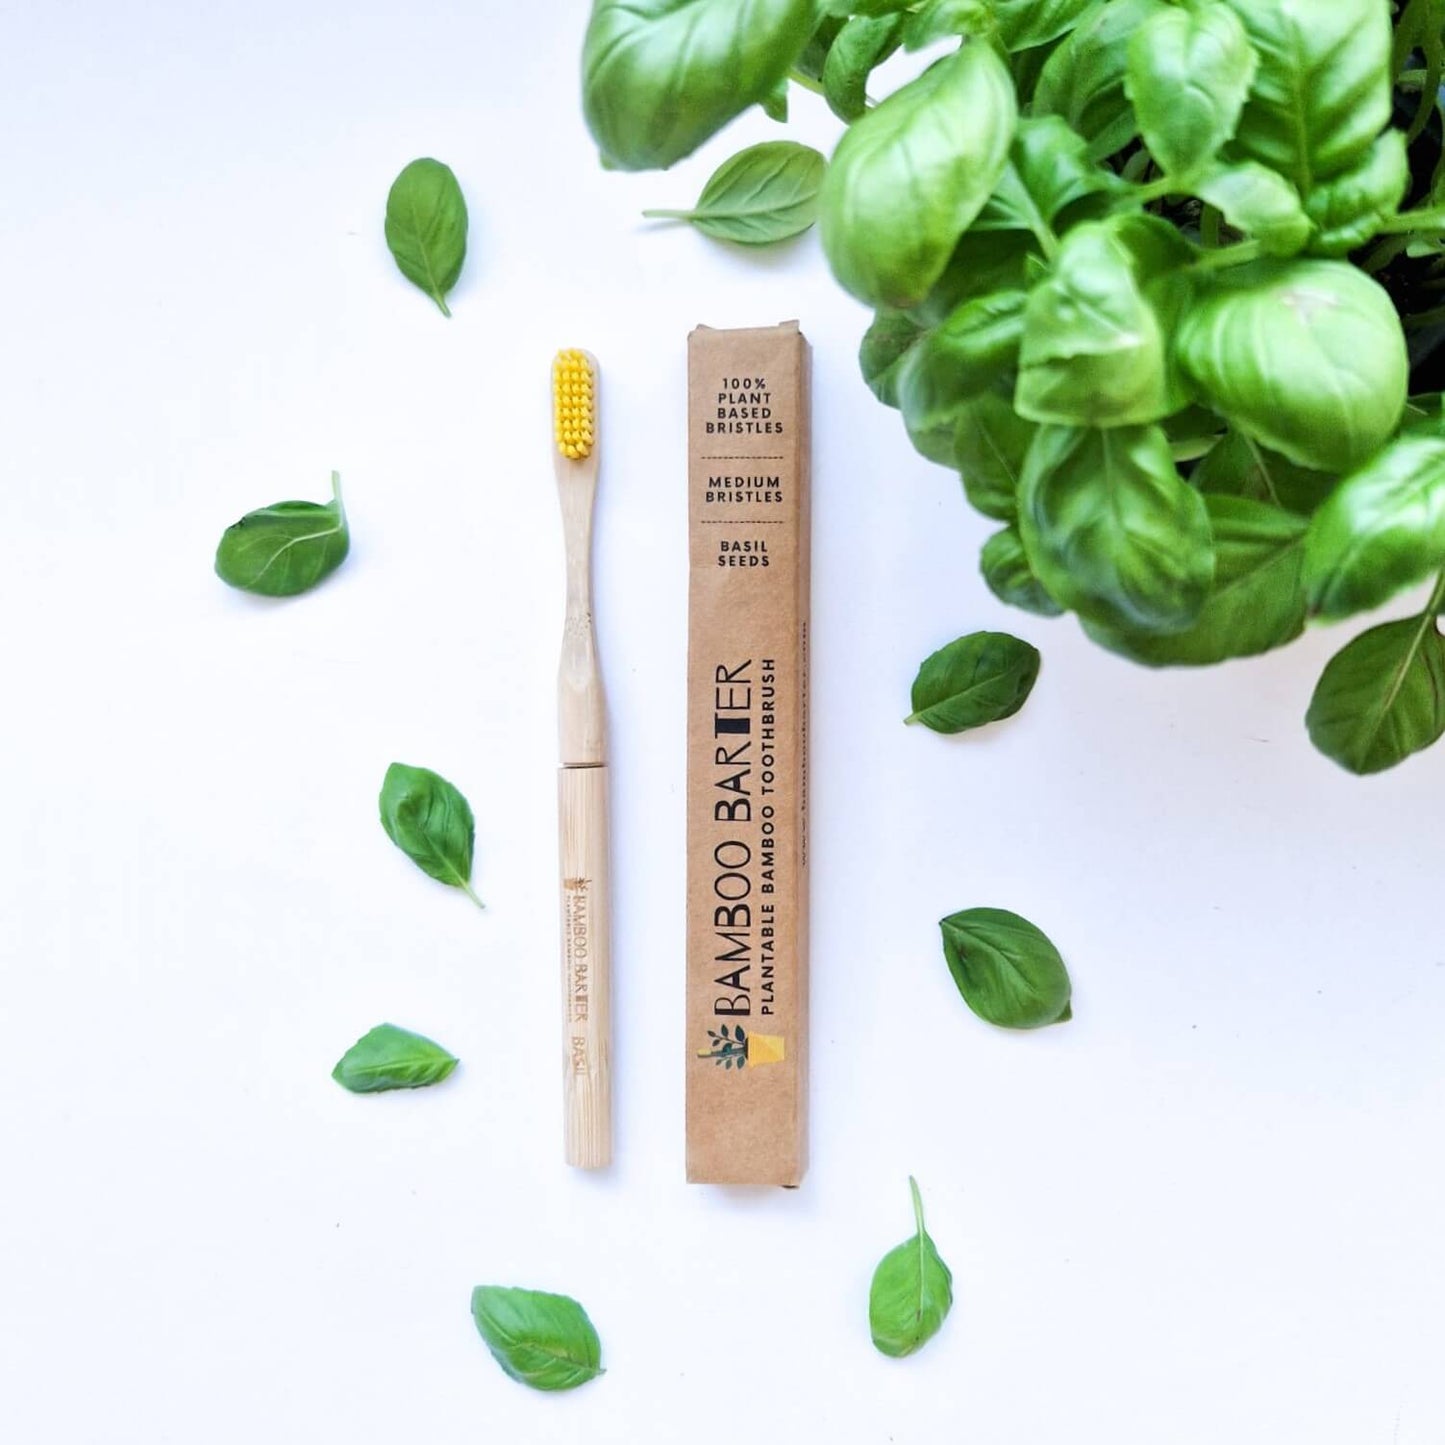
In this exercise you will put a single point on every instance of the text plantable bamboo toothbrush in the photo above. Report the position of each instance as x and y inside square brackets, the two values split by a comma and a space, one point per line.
[582, 783]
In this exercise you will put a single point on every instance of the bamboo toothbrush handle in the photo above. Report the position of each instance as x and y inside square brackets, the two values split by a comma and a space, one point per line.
[586, 966]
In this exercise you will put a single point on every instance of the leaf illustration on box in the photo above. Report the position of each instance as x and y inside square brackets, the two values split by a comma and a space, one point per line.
[734, 1047]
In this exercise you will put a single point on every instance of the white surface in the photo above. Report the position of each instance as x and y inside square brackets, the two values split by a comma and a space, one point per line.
[1208, 1210]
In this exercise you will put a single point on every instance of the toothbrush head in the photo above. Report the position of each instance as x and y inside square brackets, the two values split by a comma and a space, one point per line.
[574, 403]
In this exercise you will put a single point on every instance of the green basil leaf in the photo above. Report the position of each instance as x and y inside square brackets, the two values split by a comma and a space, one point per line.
[911, 1293]
[881, 353]
[940, 19]
[1381, 530]
[1010, 577]
[1237, 466]
[763, 194]
[1193, 432]
[1425, 412]
[1111, 529]
[862, 45]
[1094, 352]
[1007, 970]
[544, 1340]
[938, 443]
[1306, 356]
[1026, 23]
[990, 448]
[426, 228]
[982, 678]
[815, 53]
[775, 103]
[971, 351]
[909, 177]
[983, 261]
[1350, 208]
[659, 77]
[287, 548]
[1026, 66]
[1188, 73]
[1256, 200]
[1255, 603]
[864, 7]
[431, 822]
[1382, 697]
[1048, 168]
[1321, 93]
[392, 1058]
[1083, 80]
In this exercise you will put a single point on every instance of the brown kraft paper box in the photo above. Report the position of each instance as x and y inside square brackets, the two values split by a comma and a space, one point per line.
[747, 756]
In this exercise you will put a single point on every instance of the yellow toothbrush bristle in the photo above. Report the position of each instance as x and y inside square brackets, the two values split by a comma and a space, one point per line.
[574, 404]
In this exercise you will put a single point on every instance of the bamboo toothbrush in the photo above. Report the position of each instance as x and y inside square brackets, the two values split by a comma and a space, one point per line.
[582, 783]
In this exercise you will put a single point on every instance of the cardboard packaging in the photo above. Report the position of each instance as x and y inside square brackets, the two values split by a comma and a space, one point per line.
[747, 751]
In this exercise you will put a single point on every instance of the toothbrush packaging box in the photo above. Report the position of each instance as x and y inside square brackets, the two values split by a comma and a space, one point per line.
[747, 755]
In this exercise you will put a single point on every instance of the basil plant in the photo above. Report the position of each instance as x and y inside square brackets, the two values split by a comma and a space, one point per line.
[1163, 282]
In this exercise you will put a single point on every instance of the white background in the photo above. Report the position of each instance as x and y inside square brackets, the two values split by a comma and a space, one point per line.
[1207, 1210]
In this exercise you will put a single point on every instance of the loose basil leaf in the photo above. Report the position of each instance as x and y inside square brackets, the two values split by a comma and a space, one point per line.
[909, 177]
[1307, 356]
[1322, 91]
[882, 351]
[1008, 575]
[775, 103]
[1382, 529]
[659, 77]
[431, 822]
[544, 1340]
[1237, 466]
[1083, 80]
[862, 45]
[983, 261]
[1350, 208]
[1257, 599]
[426, 228]
[912, 1291]
[982, 678]
[1112, 531]
[1382, 697]
[939, 19]
[1093, 351]
[1048, 169]
[971, 351]
[286, 548]
[1189, 71]
[763, 194]
[392, 1058]
[990, 448]
[1253, 198]
[1007, 970]
[1026, 23]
